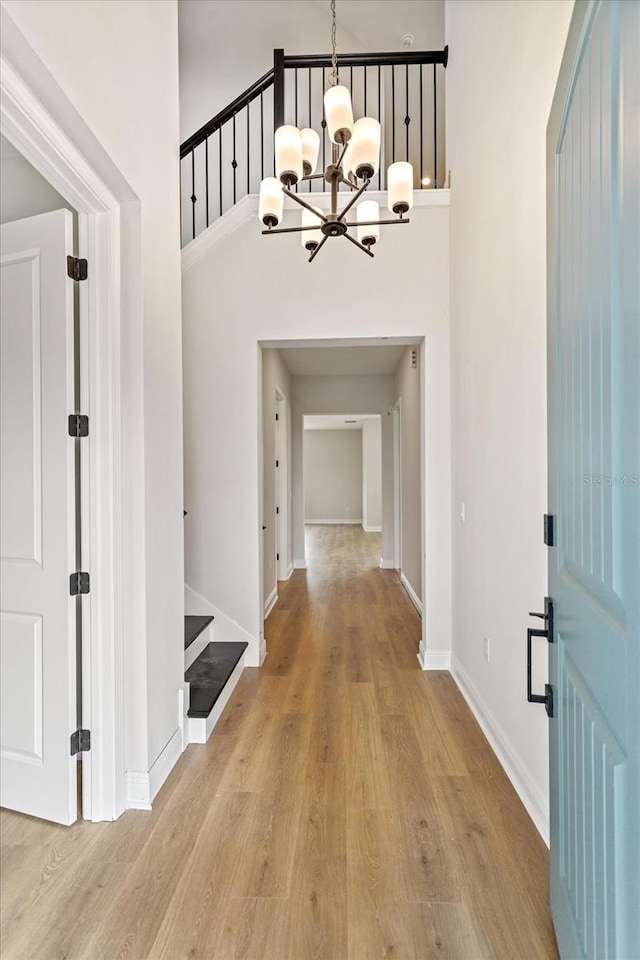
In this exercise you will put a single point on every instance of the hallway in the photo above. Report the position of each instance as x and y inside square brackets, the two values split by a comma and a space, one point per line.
[346, 807]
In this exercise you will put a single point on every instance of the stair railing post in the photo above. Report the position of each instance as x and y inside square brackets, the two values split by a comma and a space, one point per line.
[278, 89]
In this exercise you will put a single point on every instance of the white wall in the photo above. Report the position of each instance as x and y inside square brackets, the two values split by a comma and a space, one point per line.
[372, 474]
[268, 284]
[497, 110]
[23, 191]
[274, 376]
[117, 65]
[340, 395]
[406, 387]
[332, 463]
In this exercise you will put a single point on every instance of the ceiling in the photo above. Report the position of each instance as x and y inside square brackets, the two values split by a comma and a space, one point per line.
[225, 46]
[342, 361]
[337, 421]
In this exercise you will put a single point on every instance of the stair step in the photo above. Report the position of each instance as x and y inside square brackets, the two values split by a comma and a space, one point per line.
[193, 627]
[208, 674]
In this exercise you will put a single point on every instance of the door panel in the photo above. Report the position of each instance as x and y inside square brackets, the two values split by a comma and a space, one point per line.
[37, 646]
[594, 484]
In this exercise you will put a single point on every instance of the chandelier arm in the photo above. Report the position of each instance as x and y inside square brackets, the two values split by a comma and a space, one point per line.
[341, 154]
[303, 203]
[368, 223]
[354, 186]
[354, 198]
[265, 233]
[358, 245]
[318, 248]
[314, 176]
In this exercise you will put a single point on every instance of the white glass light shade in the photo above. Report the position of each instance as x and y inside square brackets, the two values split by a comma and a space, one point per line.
[310, 238]
[339, 113]
[288, 147]
[271, 202]
[364, 148]
[400, 186]
[310, 150]
[368, 210]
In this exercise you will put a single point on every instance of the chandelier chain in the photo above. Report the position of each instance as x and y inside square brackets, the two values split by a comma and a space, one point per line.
[333, 76]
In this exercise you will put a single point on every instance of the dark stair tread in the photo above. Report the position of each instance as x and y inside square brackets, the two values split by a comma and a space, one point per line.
[208, 674]
[193, 627]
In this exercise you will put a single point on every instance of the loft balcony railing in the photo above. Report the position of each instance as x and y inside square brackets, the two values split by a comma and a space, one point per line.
[228, 157]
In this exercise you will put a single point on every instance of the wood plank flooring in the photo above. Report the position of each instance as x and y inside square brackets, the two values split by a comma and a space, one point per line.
[347, 807]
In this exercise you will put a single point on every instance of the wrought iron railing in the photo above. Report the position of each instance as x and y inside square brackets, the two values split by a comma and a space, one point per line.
[229, 156]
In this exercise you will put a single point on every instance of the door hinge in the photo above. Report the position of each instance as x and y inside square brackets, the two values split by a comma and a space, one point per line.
[549, 530]
[80, 742]
[277, 463]
[78, 425]
[277, 509]
[277, 556]
[77, 268]
[277, 417]
[78, 583]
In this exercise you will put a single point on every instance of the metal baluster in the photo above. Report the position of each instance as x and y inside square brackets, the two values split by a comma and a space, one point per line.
[421, 125]
[435, 132]
[324, 129]
[295, 80]
[193, 193]
[248, 151]
[261, 137]
[407, 118]
[393, 113]
[220, 169]
[380, 122]
[206, 178]
[365, 89]
[234, 162]
[310, 123]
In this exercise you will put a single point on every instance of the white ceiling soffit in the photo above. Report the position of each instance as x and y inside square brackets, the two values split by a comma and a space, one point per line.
[342, 361]
[338, 421]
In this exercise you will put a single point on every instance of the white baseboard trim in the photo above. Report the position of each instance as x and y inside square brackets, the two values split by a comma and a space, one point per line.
[164, 763]
[368, 529]
[137, 790]
[435, 659]
[290, 570]
[300, 564]
[225, 627]
[199, 728]
[415, 600]
[536, 805]
[270, 602]
[342, 523]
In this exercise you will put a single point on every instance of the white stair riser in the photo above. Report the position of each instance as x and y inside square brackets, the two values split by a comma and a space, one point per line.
[199, 728]
[194, 649]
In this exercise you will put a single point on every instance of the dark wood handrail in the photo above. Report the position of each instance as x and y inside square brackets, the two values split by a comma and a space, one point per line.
[395, 58]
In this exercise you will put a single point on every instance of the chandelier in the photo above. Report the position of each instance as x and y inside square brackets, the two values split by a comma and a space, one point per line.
[355, 160]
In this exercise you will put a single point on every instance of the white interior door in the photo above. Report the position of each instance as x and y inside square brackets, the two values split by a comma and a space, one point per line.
[37, 646]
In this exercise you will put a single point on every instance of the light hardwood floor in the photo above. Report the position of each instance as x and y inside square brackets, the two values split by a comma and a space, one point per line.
[347, 807]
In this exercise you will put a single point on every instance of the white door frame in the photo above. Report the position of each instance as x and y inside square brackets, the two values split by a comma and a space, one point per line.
[42, 140]
[397, 484]
[282, 487]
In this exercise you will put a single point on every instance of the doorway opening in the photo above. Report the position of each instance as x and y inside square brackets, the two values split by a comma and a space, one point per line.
[281, 519]
[345, 399]
[59, 151]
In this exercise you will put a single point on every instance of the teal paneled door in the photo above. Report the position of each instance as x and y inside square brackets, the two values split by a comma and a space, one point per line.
[594, 484]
